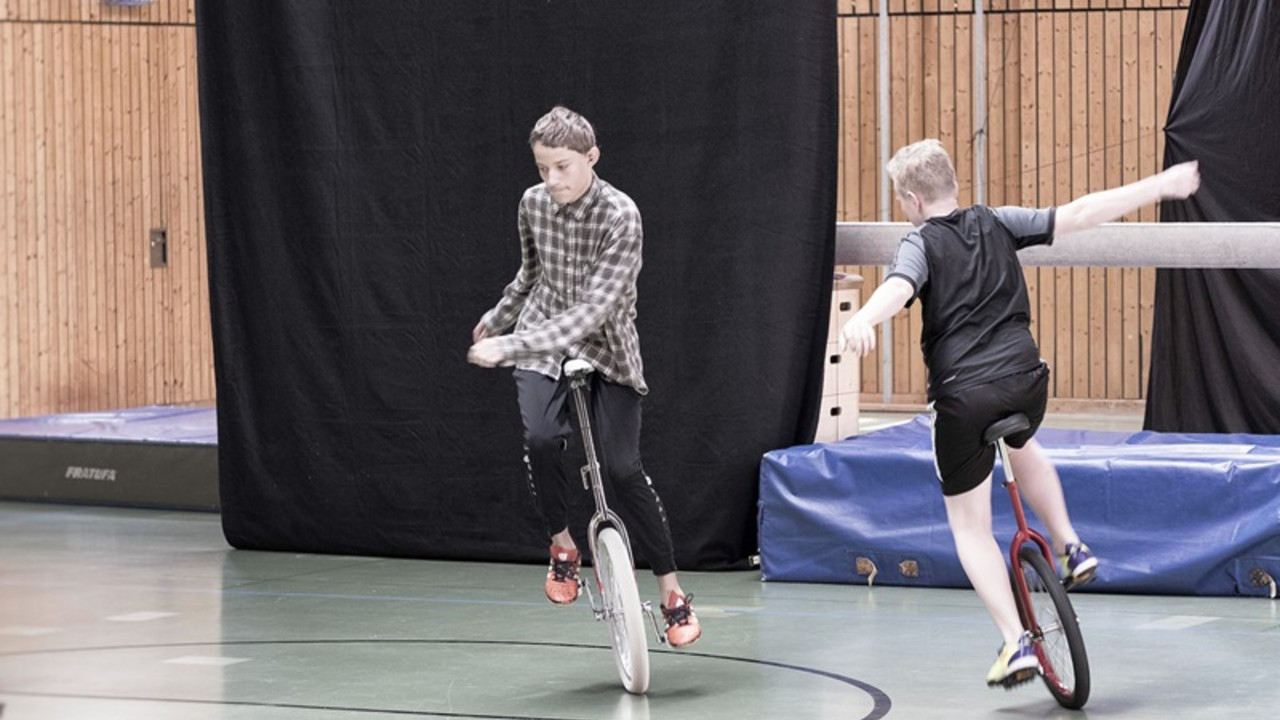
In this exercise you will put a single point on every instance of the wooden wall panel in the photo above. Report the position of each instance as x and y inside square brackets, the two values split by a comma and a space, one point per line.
[1076, 94]
[159, 12]
[99, 143]
[8, 219]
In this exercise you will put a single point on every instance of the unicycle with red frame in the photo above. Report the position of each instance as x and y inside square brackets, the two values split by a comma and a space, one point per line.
[1043, 605]
[618, 604]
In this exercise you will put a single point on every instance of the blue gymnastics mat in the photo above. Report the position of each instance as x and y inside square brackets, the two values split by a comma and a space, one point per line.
[1177, 514]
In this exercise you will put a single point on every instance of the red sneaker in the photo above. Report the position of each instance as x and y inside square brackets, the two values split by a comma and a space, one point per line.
[562, 575]
[682, 625]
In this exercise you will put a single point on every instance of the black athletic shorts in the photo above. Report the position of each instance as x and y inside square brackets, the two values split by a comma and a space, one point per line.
[960, 419]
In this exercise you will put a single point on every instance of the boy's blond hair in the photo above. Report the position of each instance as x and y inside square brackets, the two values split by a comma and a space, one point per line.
[923, 168]
[563, 128]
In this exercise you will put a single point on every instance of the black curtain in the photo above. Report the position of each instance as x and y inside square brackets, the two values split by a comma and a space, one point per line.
[1216, 333]
[362, 166]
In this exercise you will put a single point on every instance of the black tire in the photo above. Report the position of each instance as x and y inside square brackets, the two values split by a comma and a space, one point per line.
[1056, 633]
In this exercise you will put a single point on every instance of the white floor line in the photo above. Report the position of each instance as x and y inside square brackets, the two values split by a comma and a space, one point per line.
[207, 660]
[28, 630]
[1178, 622]
[141, 616]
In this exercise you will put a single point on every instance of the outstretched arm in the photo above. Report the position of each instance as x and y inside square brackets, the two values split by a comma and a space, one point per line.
[1084, 212]
[858, 335]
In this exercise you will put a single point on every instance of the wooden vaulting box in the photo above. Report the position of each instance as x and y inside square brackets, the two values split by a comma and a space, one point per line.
[841, 381]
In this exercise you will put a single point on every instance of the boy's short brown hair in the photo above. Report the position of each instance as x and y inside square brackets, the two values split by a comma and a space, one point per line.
[923, 168]
[562, 127]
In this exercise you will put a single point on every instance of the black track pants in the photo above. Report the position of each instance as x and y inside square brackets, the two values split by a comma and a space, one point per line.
[546, 410]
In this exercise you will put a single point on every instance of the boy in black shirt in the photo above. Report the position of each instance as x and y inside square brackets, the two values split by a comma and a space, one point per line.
[983, 361]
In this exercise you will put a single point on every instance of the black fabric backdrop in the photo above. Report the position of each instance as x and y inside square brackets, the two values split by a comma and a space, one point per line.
[1216, 333]
[362, 165]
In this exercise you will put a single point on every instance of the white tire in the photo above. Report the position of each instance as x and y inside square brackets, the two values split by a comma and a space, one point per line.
[621, 600]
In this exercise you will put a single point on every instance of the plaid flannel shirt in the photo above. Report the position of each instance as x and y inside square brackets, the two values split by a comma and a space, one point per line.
[575, 293]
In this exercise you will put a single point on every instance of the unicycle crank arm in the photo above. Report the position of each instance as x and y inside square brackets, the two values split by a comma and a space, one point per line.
[653, 620]
[597, 606]
[1043, 630]
[598, 609]
[600, 612]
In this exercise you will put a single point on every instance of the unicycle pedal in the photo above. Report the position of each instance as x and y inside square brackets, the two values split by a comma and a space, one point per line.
[1017, 678]
[1072, 582]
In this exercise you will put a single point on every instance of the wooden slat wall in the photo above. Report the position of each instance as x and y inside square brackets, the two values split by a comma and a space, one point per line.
[1077, 92]
[99, 142]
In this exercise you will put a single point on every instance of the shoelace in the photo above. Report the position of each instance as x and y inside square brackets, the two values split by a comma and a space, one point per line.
[563, 570]
[679, 615]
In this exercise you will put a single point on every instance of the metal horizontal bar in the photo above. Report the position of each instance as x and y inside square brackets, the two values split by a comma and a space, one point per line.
[1163, 245]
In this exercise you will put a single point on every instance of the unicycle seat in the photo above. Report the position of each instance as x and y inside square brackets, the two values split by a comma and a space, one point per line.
[577, 368]
[1001, 429]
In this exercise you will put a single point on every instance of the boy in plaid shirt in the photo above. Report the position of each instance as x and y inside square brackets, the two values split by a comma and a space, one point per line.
[574, 297]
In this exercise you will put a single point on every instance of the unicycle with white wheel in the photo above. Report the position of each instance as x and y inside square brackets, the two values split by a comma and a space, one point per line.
[1043, 605]
[618, 604]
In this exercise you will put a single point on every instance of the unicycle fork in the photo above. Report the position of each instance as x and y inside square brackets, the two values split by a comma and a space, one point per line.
[1043, 605]
[619, 603]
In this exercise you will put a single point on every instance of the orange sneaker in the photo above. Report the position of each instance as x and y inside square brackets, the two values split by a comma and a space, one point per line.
[562, 575]
[682, 625]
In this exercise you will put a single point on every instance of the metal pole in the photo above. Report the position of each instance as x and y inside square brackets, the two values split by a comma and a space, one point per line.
[886, 211]
[980, 103]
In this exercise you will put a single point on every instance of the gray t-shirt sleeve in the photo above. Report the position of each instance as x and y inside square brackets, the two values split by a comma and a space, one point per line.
[910, 263]
[1029, 226]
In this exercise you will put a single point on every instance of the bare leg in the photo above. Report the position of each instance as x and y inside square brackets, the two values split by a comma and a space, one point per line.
[969, 515]
[563, 539]
[1039, 483]
[668, 584]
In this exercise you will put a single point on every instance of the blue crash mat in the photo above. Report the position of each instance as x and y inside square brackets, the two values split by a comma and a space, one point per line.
[151, 423]
[1165, 513]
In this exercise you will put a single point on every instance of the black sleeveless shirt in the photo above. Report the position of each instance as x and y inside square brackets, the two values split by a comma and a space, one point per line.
[965, 271]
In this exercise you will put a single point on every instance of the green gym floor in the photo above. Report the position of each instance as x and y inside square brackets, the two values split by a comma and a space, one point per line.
[114, 613]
